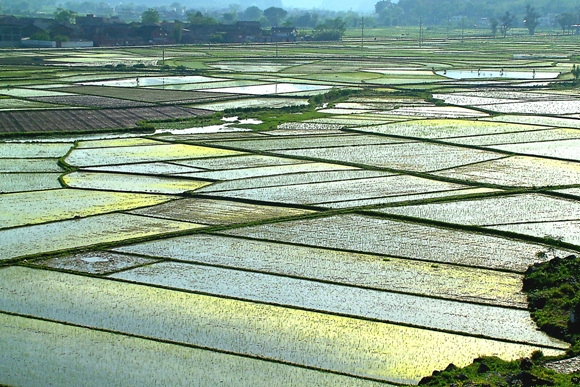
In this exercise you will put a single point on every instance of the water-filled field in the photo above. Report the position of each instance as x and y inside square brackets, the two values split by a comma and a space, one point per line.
[359, 220]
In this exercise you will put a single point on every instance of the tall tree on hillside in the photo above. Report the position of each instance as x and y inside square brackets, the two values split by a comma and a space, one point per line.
[150, 16]
[531, 19]
[274, 15]
[506, 23]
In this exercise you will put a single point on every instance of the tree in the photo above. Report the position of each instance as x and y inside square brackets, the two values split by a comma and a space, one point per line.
[333, 29]
[566, 20]
[383, 4]
[531, 19]
[177, 32]
[40, 36]
[251, 13]
[506, 23]
[493, 23]
[576, 72]
[60, 38]
[150, 16]
[275, 15]
[229, 17]
[198, 19]
[65, 16]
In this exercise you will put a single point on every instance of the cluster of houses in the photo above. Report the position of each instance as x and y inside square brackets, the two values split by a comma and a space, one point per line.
[90, 30]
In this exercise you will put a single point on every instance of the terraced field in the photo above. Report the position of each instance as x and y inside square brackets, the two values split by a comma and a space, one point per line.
[364, 239]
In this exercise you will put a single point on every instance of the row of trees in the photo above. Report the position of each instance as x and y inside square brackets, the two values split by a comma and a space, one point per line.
[438, 12]
[328, 29]
[566, 21]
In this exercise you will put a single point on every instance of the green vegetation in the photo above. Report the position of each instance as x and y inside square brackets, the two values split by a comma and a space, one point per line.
[553, 290]
[150, 16]
[554, 296]
[492, 371]
[270, 117]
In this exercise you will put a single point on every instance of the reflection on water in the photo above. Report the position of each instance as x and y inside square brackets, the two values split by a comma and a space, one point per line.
[275, 88]
[152, 81]
[225, 127]
[471, 74]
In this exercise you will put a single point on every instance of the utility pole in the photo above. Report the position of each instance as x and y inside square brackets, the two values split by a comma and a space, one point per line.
[420, 31]
[362, 35]
[163, 47]
[276, 37]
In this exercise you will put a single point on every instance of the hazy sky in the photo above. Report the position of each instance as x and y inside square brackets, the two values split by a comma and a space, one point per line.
[335, 5]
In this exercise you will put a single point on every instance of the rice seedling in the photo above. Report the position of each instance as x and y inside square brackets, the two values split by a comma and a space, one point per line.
[27, 208]
[244, 173]
[71, 234]
[295, 180]
[22, 182]
[96, 358]
[218, 212]
[131, 183]
[277, 88]
[335, 266]
[141, 154]
[402, 239]
[152, 81]
[456, 193]
[519, 171]
[537, 107]
[450, 128]
[466, 318]
[520, 137]
[438, 112]
[244, 161]
[208, 85]
[27, 93]
[563, 122]
[338, 191]
[567, 230]
[117, 142]
[341, 344]
[29, 165]
[159, 168]
[563, 149]
[496, 210]
[469, 100]
[33, 150]
[95, 262]
[411, 156]
[306, 142]
[11, 104]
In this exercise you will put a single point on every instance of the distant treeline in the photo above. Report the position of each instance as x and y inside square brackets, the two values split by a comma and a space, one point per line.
[442, 12]
[453, 13]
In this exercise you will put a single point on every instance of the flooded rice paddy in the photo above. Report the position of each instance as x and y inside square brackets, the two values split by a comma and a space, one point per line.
[479, 73]
[381, 237]
[354, 346]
